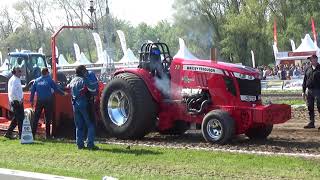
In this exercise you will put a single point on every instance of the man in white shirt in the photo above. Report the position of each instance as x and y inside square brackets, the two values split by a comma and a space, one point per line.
[15, 95]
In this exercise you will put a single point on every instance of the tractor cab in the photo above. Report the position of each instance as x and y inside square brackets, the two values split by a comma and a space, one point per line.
[155, 58]
[30, 64]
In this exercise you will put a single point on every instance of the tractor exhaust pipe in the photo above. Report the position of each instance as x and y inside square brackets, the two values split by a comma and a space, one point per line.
[204, 104]
[213, 54]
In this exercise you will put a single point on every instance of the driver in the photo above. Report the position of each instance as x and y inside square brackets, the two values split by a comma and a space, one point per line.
[20, 63]
[156, 67]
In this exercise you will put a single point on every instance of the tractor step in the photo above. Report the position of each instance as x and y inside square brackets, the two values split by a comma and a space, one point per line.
[3, 120]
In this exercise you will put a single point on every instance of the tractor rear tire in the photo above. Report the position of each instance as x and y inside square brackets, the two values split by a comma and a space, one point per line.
[217, 127]
[259, 132]
[127, 108]
[179, 128]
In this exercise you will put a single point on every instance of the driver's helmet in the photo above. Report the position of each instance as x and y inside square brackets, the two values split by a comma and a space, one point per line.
[155, 53]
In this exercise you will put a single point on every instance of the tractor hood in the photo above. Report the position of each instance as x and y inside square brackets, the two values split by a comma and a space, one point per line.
[185, 57]
[235, 68]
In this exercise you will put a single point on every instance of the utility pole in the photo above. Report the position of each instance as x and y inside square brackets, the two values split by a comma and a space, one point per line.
[92, 11]
[108, 39]
[109, 36]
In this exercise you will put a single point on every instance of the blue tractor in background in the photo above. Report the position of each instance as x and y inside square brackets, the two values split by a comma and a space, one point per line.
[30, 63]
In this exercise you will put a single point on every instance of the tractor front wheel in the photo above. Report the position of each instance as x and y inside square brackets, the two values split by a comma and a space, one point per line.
[217, 127]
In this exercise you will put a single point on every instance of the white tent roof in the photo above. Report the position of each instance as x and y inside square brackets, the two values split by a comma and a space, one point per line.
[105, 59]
[129, 57]
[83, 60]
[306, 45]
[305, 49]
[4, 65]
[184, 52]
[62, 61]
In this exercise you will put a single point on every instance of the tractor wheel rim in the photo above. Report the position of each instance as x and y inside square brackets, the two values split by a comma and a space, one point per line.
[214, 129]
[118, 107]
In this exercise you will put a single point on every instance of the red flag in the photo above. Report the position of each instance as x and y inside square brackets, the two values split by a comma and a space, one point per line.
[275, 32]
[314, 31]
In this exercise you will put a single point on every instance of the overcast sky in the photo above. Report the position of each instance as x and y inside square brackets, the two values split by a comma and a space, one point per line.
[134, 11]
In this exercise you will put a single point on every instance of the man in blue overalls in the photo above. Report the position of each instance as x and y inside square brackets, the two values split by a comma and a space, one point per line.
[79, 88]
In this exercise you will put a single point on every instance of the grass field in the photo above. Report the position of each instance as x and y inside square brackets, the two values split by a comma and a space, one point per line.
[290, 101]
[281, 92]
[62, 158]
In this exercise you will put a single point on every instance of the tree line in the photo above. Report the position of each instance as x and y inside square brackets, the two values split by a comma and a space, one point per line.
[234, 27]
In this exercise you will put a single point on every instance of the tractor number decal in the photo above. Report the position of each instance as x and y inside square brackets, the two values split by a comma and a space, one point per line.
[202, 69]
[177, 67]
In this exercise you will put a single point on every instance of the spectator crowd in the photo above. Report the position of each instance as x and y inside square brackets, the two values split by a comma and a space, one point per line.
[283, 71]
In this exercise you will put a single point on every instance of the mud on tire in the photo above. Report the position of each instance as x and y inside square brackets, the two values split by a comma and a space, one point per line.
[127, 108]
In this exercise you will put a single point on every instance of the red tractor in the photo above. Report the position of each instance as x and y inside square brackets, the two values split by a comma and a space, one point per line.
[170, 94]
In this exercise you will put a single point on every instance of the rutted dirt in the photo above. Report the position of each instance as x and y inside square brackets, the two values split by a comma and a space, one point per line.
[289, 137]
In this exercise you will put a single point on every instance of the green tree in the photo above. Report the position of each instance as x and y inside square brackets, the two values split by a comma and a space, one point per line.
[246, 30]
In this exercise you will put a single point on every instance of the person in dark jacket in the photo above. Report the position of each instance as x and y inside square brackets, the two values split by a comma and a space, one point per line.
[311, 89]
[44, 86]
[80, 86]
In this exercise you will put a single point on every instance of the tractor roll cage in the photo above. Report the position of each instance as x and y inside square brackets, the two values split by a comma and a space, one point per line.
[146, 48]
[145, 54]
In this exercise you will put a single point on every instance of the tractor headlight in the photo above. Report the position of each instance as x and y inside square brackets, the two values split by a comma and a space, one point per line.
[243, 76]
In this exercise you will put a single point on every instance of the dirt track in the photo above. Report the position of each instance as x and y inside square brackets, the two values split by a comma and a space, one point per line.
[289, 137]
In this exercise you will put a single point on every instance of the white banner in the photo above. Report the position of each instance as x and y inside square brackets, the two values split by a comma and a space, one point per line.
[98, 42]
[57, 52]
[1, 60]
[77, 51]
[122, 40]
[253, 60]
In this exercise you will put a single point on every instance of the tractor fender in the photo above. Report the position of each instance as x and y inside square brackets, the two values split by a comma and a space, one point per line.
[147, 78]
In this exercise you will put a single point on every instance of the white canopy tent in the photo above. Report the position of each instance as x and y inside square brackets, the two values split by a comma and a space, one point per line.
[128, 57]
[184, 52]
[62, 61]
[4, 65]
[105, 59]
[305, 50]
[82, 61]
[307, 45]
